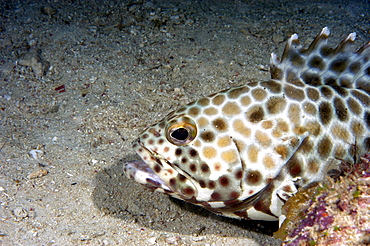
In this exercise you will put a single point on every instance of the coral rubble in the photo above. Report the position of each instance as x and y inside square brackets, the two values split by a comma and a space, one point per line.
[334, 212]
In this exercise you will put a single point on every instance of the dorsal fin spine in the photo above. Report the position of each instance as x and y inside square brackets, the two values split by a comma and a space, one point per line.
[320, 64]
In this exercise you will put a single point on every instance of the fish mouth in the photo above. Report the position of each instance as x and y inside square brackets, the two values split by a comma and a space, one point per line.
[159, 174]
[141, 172]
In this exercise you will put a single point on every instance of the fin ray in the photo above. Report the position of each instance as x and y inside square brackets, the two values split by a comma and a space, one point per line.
[320, 64]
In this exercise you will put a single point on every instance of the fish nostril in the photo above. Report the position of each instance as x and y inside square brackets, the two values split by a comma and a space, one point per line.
[154, 132]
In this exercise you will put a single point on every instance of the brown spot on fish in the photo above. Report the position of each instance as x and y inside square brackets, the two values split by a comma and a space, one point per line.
[259, 94]
[267, 124]
[263, 139]
[229, 156]
[326, 92]
[268, 162]
[325, 113]
[239, 174]
[339, 151]
[313, 166]
[216, 196]
[157, 168]
[354, 106]
[224, 141]
[339, 132]
[311, 79]
[209, 152]
[193, 153]
[217, 166]
[220, 125]
[231, 108]
[253, 153]
[184, 160]
[255, 114]
[218, 100]
[306, 146]
[340, 90]
[312, 94]
[173, 182]
[237, 92]
[202, 122]
[313, 127]
[295, 166]
[309, 108]
[317, 62]
[211, 184]
[181, 178]
[205, 168]
[294, 113]
[282, 150]
[294, 93]
[245, 101]
[178, 152]
[363, 98]
[276, 105]
[210, 111]
[354, 67]
[240, 127]
[193, 111]
[193, 168]
[188, 191]
[253, 177]
[338, 65]
[324, 147]
[224, 180]
[357, 128]
[204, 101]
[233, 195]
[272, 86]
[207, 136]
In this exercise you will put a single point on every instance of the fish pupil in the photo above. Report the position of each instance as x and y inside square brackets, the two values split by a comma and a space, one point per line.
[180, 134]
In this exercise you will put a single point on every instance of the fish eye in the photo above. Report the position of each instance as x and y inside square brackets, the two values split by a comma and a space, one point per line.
[181, 132]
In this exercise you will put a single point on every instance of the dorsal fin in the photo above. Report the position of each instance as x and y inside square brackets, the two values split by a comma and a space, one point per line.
[321, 65]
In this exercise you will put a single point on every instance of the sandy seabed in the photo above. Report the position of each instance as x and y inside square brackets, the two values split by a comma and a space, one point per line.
[79, 80]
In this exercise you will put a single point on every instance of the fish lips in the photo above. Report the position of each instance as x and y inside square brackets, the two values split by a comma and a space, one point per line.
[142, 171]
[139, 171]
[158, 173]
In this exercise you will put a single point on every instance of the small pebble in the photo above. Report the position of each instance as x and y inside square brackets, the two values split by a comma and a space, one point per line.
[39, 67]
[37, 174]
[152, 240]
[173, 240]
[34, 153]
[20, 213]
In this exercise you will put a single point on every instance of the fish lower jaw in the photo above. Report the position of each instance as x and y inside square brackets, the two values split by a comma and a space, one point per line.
[140, 172]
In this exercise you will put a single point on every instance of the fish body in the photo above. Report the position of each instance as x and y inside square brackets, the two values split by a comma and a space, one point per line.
[244, 151]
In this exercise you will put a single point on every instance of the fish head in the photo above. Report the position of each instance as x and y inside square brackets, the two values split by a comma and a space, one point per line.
[190, 157]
